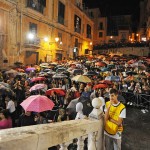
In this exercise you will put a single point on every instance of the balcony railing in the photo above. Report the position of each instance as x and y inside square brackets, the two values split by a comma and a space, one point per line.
[41, 137]
[78, 30]
[100, 28]
[79, 5]
[35, 43]
[60, 20]
[36, 6]
[89, 36]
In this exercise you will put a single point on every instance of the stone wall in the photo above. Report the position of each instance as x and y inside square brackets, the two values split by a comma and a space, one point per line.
[139, 51]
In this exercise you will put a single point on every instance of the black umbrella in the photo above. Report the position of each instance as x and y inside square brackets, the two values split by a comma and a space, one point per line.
[59, 76]
[77, 71]
[131, 73]
[87, 106]
[90, 73]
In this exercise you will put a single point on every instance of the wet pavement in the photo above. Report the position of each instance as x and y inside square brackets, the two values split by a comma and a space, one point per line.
[136, 135]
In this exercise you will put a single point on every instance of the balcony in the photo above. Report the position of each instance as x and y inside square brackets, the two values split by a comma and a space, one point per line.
[100, 28]
[60, 20]
[34, 44]
[78, 30]
[79, 5]
[36, 6]
[89, 36]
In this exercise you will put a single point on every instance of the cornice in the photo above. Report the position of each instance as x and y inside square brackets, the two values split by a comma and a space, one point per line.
[5, 5]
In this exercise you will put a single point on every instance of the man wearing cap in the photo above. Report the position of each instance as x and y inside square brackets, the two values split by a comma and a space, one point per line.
[115, 112]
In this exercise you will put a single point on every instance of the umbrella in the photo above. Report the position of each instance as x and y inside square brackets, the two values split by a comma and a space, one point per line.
[88, 62]
[90, 73]
[6, 90]
[100, 86]
[44, 64]
[19, 70]
[59, 91]
[138, 65]
[12, 71]
[111, 66]
[81, 78]
[87, 106]
[131, 73]
[30, 69]
[38, 86]
[59, 70]
[100, 64]
[51, 72]
[113, 78]
[57, 76]
[106, 82]
[72, 105]
[120, 98]
[5, 84]
[38, 79]
[77, 71]
[47, 70]
[105, 69]
[37, 103]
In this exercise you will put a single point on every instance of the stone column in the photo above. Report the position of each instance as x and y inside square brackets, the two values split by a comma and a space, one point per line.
[96, 140]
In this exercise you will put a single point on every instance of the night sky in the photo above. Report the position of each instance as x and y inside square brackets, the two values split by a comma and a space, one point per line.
[114, 7]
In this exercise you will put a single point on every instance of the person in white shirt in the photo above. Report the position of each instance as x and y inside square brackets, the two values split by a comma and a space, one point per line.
[10, 106]
[115, 112]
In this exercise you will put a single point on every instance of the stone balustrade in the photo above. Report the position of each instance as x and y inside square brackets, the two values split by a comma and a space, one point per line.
[41, 137]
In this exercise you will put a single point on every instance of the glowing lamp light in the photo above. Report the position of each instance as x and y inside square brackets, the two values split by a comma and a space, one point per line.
[46, 39]
[31, 36]
[61, 43]
[57, 39]
[91, 43]
[111, 37]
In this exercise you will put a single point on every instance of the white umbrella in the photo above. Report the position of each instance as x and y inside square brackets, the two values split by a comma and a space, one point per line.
[81, 78]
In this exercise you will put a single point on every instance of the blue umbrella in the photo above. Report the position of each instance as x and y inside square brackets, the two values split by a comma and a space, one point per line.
[113, 78]
[105, 69]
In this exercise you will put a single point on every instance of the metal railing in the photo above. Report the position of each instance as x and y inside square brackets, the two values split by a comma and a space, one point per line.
[137, 99]
[36, 6]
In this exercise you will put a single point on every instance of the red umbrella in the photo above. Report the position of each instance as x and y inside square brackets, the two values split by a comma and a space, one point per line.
[59, 91]
[38, 79]
[106, 82]
[20, 70]
[100, 86]
[37, 87]
[37, 103]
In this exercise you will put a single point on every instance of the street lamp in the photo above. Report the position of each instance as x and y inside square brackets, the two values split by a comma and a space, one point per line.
[30, 36]
[57, 39]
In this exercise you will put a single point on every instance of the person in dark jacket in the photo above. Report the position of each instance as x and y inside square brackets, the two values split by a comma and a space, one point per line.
[26, 119]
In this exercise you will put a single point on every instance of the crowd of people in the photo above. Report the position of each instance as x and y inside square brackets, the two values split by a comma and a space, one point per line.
[109, 76]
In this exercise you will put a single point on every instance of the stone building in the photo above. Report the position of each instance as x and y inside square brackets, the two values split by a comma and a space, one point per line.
[110, 29]
[46, 30]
